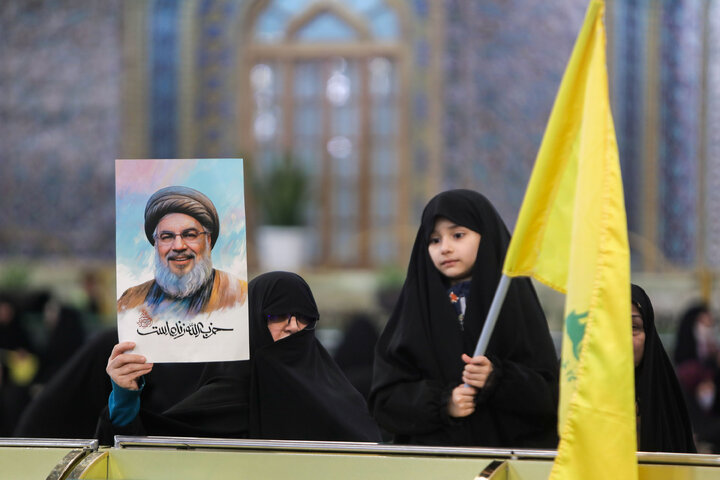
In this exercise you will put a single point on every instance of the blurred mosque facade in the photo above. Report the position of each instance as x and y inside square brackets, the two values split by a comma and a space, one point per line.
[382, 103]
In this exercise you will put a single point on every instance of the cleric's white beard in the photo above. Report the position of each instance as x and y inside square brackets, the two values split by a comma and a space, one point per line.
[183, 285]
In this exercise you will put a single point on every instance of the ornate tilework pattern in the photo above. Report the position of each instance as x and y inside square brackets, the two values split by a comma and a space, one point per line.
[503, 66]
[629, 31]
[61, 65]
[59, 128]
[163, 69]
[216, 56]
[712, 167]
[678, 162]
[421, 8]
[420, 33]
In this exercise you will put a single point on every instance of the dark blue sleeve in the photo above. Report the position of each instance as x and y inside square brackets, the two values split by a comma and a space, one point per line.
[124, 404]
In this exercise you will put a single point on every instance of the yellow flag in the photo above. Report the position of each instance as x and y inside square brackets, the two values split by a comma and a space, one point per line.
[571, 234]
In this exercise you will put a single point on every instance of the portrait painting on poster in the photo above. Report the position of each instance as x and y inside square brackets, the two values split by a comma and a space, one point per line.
[181, 259]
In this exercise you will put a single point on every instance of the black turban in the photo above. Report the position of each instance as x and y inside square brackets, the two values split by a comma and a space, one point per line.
[185, 200]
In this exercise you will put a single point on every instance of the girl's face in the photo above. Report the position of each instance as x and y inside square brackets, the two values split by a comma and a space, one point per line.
[453, 249]
[638, 335]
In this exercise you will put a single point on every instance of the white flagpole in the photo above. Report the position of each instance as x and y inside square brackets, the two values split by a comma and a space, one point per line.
[492, 315]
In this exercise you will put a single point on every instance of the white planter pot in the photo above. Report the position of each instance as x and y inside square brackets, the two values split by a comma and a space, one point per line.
[282, 248]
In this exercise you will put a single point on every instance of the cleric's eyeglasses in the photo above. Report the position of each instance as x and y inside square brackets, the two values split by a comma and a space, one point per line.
[302, 320]
[189, 236]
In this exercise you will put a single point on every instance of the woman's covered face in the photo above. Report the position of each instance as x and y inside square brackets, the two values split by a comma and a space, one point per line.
[638, 335]
[284, 325]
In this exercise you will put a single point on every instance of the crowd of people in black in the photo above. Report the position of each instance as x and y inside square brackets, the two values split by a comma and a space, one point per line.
[31, 357]
[415, 382]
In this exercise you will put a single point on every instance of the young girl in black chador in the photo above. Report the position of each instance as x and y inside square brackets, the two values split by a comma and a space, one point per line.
[422, 359]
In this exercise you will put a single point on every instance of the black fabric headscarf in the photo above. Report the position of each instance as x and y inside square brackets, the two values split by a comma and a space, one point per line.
[418, 357]
[664, 421]
[298, 392]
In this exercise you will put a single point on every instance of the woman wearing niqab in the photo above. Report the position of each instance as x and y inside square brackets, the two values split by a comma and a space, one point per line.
[418, 357]
[290, 389]
[298, 392]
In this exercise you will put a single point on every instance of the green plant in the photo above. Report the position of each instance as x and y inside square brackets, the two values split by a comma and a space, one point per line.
[391, 277]
[283, 193]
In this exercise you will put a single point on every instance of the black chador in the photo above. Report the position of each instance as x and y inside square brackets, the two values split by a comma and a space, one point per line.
[290, 389]
[418, 357]
[663, 421]
[298, 391]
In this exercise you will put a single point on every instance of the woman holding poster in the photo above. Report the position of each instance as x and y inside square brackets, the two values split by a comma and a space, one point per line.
[291, 389]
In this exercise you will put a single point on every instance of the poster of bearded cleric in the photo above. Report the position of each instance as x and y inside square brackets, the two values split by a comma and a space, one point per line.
[181, 259]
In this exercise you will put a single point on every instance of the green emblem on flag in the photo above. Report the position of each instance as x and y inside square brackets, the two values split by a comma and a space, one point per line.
[575, 330]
